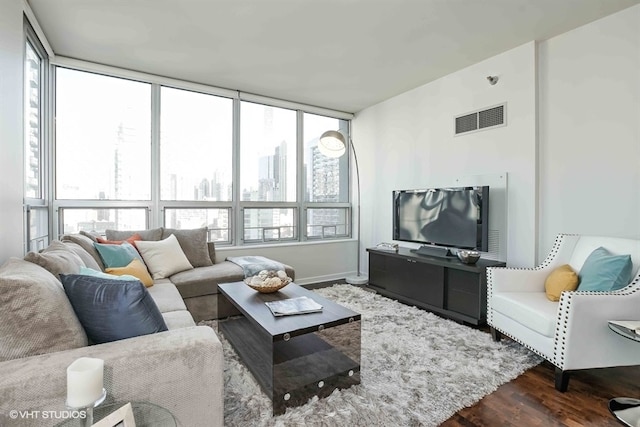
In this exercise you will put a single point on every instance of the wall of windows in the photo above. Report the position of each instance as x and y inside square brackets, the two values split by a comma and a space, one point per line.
[136, 154]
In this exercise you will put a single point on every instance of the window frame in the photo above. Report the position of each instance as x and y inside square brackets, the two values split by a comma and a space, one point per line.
[37, 204]
[156, 207]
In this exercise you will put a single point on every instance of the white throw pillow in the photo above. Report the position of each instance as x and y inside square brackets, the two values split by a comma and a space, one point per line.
[163, 258]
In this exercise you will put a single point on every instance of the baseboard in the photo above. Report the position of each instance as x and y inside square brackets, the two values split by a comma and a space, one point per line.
[324, 278]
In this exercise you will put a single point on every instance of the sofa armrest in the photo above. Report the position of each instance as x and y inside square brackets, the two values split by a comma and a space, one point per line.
[583, 337]
[502, 279]
[180, 370]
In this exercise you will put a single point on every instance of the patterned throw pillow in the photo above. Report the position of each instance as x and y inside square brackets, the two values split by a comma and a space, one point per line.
[135, 268]
[117, 255]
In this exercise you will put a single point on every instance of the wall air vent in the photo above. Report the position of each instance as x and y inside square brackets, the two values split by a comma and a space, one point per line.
[481, 120]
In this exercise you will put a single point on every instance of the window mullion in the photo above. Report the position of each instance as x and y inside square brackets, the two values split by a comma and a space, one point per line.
[155, 217]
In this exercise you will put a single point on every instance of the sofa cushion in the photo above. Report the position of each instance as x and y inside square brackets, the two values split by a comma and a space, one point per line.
[135, 268]
[204, 280]
[87, 244]
[117, 255]
[561, 279]
[604, 271]
[166, 296]
[163, 258]
[193, 243]
[56, 258]
[86, 258]
[153, 234]
[36, 316]
[530, 309]
[111, 310]
[178, 319]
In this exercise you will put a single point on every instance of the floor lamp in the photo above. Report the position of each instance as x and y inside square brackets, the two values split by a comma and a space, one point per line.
[333, 144]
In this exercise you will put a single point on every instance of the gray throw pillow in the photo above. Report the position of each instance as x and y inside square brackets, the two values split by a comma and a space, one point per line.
[154, 234]
[36, 316]
[111, 310]
[193, 243]
[57, 258]
[84, 255]
[87, 244]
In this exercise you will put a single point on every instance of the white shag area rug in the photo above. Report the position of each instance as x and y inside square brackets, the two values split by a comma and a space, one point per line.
[417, 369]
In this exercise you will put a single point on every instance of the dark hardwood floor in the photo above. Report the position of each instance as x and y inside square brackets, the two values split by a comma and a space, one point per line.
[531, 399]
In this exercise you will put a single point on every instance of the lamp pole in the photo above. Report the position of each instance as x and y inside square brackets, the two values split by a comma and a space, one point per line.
[358, 279]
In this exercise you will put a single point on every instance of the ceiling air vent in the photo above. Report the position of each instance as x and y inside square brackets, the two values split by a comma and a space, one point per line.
[480, 120]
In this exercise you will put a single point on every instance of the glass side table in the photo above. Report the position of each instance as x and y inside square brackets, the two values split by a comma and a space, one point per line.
[626, 409]
[146, 415]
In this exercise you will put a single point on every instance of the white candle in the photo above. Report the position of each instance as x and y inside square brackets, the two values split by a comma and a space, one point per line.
[84, 382]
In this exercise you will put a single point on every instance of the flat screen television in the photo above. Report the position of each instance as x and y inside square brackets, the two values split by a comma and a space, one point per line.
[455, 217]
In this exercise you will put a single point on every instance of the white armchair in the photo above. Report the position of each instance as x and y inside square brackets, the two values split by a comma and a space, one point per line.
[572, 333]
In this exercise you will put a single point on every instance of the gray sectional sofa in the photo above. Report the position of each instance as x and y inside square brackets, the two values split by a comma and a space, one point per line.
[180, 369]
[198, 286]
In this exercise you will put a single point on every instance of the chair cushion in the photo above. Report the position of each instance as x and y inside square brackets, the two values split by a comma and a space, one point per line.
[561, 279]
[193, 244]
[111, 310]
[603, 271]
[36, 316]
[57, 258]
[163, 258]
[530, 309]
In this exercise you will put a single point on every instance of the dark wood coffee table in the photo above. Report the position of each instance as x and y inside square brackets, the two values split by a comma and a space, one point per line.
[296, 357]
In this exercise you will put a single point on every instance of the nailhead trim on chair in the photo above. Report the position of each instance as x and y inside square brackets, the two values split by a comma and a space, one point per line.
[563, 314]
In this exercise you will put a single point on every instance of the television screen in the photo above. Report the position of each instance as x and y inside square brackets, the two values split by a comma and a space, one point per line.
[451, 217]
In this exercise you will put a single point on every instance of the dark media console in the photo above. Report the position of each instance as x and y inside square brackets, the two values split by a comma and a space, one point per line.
[440, 284]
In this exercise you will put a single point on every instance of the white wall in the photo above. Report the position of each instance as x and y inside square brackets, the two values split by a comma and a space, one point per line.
[11, 159]
[407, 142]
[581, 174]
[589, 91]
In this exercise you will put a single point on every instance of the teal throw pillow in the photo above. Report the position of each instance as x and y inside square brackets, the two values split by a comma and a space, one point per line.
[117, 255]
[85, 271]
[603, 271]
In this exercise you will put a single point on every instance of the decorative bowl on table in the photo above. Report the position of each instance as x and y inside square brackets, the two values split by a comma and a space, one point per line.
[268, 281]
[468, 257]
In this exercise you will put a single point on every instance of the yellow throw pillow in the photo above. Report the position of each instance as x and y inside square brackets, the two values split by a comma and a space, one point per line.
[135, 268]
[561, 279]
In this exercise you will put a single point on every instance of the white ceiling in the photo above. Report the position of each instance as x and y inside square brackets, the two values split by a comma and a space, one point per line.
[340, 54]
